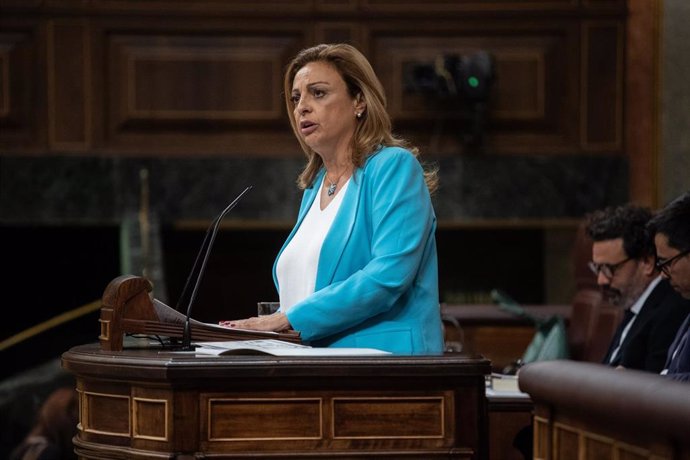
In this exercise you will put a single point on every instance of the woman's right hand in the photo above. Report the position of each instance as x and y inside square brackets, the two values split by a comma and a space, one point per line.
[276, 322]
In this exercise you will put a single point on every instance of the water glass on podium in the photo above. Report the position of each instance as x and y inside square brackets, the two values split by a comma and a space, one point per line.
[267, 308]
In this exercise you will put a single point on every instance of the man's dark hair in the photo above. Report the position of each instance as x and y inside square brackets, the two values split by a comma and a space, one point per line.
[674, 222]
[628, 222]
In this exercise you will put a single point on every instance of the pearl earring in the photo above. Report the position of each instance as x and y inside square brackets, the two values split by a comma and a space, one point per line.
[359, 114]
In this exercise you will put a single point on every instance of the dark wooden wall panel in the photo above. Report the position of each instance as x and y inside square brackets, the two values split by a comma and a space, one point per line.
[467, 5]
[4, 78]
[523, 95]
[22, 86]
[270, 7]
[534, 94]
[336, 5]
[338, 32]
[602, 86]
[604, 3]
[69, 85]
[642, 99]
[190, 89]
[172, 77]
[196, 78]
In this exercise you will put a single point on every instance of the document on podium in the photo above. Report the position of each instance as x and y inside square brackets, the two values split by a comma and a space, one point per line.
[501, 385]
[278, 348]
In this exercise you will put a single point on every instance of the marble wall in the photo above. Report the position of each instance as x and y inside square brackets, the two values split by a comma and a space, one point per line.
[54, 190]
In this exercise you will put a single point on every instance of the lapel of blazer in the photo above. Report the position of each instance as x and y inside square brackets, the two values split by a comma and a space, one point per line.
[340, 232]
[310, 195]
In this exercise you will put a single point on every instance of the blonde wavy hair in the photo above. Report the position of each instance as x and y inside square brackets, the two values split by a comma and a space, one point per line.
[374, 128]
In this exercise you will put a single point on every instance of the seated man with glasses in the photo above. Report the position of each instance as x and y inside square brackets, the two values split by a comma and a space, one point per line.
[623, 259]
[671, 230]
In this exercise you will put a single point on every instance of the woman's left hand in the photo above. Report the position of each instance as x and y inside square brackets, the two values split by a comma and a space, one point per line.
[276, 322]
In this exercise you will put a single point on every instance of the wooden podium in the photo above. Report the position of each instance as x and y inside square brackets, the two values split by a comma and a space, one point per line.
[149, 403]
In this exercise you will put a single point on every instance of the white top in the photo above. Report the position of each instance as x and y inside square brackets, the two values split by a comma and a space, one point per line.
[637, 306]
[298, 263]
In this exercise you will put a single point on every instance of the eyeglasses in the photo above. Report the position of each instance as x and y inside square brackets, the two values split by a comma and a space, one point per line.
[608, 270]
[666, 265]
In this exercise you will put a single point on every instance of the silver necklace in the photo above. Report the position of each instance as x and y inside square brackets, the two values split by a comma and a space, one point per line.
[331, 188]
[333, 185]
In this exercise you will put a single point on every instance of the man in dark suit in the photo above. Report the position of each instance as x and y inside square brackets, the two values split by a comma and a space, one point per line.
[671, 229]
[623, 258]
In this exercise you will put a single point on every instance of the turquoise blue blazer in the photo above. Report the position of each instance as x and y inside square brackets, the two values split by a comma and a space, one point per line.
[377, 278]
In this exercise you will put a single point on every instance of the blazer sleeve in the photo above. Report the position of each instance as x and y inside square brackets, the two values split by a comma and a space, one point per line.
[683, 374]
[679, 368]
[666, 325]
[399, 213]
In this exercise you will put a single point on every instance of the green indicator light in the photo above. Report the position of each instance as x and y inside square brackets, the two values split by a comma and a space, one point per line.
[473, 81]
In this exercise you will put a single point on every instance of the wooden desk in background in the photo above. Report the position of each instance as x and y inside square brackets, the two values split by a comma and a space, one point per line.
[493, 333]
[145, 403]
[589, 411]
[510, 417]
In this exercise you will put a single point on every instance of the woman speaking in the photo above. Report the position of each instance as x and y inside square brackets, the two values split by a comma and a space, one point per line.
[359, 269]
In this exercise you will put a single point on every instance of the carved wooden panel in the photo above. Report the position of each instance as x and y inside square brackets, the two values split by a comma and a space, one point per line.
[337, 5]
[380, 417]
[602, 86]
[4, 78]
[234, 419]
[338, 32]
[616, 4]
[534, 87]
[216, 88]
[467, 5]
[106, 413]
[151, 418]
[572, 442]
[21, 84]
[317, 419]
[565, 443]
[213, 6]
[541, 437]
[69, 85]
[642, 112]
[173, 77]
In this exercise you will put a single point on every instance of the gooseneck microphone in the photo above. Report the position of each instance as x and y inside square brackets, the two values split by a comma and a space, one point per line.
[205, 249]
